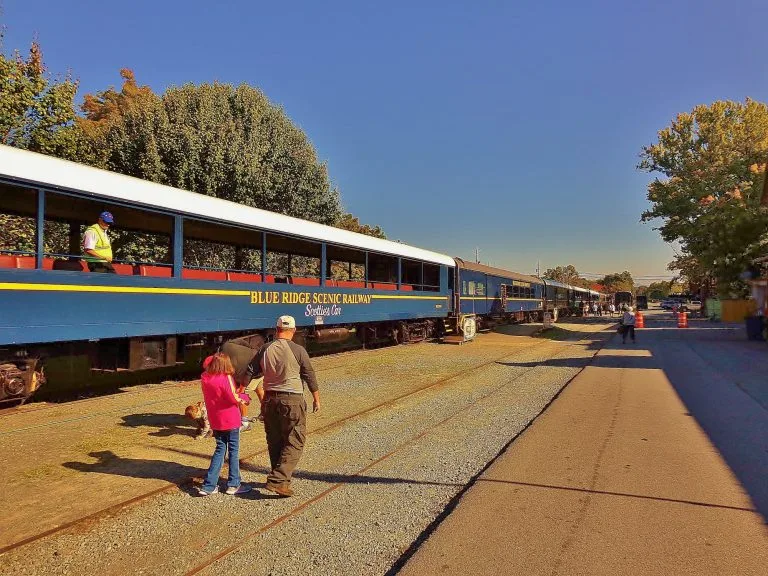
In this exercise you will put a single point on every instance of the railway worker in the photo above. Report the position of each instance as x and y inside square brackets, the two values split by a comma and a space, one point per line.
[286, 368]
[97, 249]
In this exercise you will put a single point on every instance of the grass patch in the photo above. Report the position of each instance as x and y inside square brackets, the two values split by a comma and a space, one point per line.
[45, 472]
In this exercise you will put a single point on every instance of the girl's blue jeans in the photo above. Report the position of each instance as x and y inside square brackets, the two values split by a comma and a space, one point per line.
[226, 440]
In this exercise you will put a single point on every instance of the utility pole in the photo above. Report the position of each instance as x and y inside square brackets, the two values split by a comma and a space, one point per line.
[538, 271]
[477, 255]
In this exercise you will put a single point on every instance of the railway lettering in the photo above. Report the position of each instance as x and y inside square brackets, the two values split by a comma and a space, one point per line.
[320, 310]
[265, 297]
[295, 298]
[321, 298]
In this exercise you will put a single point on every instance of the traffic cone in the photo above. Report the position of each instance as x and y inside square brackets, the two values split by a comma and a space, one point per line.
[682, 320]
[639, 320]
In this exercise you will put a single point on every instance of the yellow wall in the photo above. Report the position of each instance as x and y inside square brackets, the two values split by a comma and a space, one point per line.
[736, 310]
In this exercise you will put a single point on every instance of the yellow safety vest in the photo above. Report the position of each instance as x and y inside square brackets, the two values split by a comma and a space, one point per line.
[103, 246]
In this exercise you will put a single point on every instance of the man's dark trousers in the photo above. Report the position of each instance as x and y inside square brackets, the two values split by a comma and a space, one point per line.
[285, 421]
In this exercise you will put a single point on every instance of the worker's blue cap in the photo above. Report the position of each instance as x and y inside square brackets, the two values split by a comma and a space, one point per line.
[107, 217]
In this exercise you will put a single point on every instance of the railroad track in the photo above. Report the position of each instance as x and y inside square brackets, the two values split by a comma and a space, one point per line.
[34, 407]
[113, 509]
[433, 428]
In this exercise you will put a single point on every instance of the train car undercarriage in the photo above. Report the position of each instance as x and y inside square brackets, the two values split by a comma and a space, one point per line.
[74, 368]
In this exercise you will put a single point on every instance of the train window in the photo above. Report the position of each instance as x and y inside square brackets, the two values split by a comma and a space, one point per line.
[292, 257]
[479, 289]
[18, 207]
[412, 274]
[471, 288]
[345, 264]
[431, 278]
[382, 269]
[136, 235]
[215, 246]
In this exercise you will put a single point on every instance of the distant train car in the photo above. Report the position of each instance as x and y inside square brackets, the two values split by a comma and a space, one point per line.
[162, 313]
[579, 296]
[624, 297]
[557, 300]
[496, 295]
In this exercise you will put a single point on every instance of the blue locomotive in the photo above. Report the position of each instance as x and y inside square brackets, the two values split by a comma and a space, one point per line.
[219, 269]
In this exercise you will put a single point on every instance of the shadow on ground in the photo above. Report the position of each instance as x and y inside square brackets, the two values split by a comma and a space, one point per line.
[165, 424]
[107, 462]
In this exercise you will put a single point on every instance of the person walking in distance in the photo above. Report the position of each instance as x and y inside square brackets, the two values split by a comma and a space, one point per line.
[629, 325]
[286, 368]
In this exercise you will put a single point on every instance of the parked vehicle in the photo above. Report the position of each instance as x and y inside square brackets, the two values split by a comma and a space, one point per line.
[642, 302]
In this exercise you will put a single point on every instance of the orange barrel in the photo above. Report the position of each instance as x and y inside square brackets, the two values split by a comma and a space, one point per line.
[639, 320]
[682, 320]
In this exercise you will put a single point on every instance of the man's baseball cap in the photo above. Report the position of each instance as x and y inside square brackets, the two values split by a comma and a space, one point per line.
[107, 217]
[286, 322]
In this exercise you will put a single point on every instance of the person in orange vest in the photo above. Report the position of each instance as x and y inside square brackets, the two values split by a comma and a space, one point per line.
[97, 249]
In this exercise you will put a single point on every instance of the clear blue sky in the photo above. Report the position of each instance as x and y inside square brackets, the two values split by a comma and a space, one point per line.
[514, 127]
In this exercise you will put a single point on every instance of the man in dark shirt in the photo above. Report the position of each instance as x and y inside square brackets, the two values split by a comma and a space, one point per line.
[286, 368]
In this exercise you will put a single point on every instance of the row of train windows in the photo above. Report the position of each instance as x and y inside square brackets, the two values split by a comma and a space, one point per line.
[520, 292]
[144, 239]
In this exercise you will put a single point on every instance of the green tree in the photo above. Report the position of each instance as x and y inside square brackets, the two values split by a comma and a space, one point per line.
[351, 223]
[618, 282]
[36, 112]
[567, 275]
[215, 139]
[712, 163]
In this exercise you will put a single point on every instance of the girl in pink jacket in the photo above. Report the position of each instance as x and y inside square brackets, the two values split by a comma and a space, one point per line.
[223, 405]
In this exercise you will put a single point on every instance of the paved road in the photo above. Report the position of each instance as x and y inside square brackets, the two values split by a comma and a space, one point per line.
[653, 461]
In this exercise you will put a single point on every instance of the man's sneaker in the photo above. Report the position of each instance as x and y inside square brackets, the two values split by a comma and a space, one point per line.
[237, 490]
[283, 491]
[205, 493]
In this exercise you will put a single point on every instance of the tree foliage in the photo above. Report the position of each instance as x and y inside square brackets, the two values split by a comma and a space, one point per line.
[712, 163]
[215, 139]
[351, 223]
[618, 282]
[36, 112]
[661, 289]
[567, 275]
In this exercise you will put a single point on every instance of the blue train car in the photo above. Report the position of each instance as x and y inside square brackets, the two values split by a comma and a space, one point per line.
[493, 294]
[557, 298]
[209, 268]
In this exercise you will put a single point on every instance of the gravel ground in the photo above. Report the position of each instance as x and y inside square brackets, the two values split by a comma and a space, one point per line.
[365, 524]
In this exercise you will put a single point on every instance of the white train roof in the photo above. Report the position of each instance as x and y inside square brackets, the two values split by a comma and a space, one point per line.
[61, 174]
